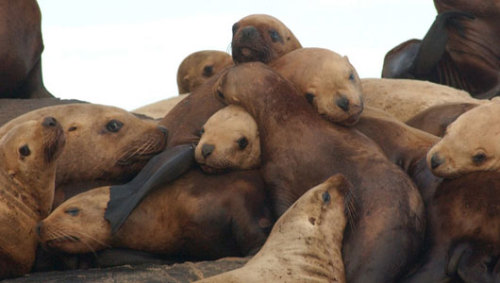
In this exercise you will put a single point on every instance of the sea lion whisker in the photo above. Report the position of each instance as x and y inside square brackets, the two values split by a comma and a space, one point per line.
[88, 236]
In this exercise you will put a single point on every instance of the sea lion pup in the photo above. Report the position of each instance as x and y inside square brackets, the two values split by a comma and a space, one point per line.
[300, 149]
[436, 119]
[305, 244]
[323, 77]
[22, 47]
[470, 144]
[104, 145]
[159, 109]
[261, 38]
[197, 216]
[406, 98]
[463, 209]
[229, 140]
[199, 66]
[28, 153]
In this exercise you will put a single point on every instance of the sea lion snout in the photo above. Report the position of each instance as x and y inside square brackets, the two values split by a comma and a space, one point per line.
[207, 149]
[49, 122]
[248, 33]
[436, 160]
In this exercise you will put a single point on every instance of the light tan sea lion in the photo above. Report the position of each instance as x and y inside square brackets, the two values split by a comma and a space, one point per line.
[305, 244]
[229, 140]
[327, 80]
[104, 145]
[159, 109]
[199, 66]
[28, 153]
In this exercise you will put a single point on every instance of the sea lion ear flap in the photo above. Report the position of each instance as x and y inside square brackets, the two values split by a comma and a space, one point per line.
[347, 59]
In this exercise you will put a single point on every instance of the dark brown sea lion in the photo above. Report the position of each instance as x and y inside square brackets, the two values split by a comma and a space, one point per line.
[300, 150]
[198, 216]
[305, 244]
[461, 49]
[436, 119]
[22, 46]
[28, 154]
[261, 38]
[199, 66]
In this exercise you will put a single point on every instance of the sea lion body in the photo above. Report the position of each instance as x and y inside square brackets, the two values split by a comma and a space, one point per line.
[261, 38]
[159, 109]
[405, 98]
[28, 154]
[199, 66]
[104, 145]
[197, 216]
[300, 150]
[323, 76]
[305, 244]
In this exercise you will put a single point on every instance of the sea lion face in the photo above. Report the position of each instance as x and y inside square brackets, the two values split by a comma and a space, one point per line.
[229, 140]
[261, 38]
[78, 224]
[29, 150]
[198, 67]
[471, 143]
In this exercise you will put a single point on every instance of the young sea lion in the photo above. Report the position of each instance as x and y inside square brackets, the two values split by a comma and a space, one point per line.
[305, 244]
[104, 145]
[28, 154]
[300, 149]
[323, 77]
[229, 140]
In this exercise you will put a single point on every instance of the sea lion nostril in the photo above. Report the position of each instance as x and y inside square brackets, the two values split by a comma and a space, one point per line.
[343, 103]
[207, 149]
[436, 161]
[49, 122]
[38, 228]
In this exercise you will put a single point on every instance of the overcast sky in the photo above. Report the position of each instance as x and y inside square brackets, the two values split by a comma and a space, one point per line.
[126, 52]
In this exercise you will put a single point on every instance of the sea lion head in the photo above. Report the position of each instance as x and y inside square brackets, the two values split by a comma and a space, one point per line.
[261, 38]
[327, 80]
[229, 140]
[199, 66]
[471, 143]
[78, 224]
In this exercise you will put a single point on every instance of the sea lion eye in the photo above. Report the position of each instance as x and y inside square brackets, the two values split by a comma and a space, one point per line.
[242, 143]
[24, 150]
[326, 197]
[235, 28]
[72, 128]
[208, 71]
[310, 97]
[220, 94]
[479, 158]
[351, 77]
[275, 36]
[202, 131]
[73, 211]
[114, 126]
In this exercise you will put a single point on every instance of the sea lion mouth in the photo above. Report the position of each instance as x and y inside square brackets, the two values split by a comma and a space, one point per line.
[245, 53]
[60, 240]
[213, 170]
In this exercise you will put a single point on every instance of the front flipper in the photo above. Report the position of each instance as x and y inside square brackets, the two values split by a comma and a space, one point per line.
[163, 168]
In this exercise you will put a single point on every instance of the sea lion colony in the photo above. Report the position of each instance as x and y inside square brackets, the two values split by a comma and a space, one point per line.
[305, 122]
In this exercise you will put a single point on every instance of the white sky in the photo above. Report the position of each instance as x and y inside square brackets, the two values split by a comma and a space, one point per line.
[126, 52]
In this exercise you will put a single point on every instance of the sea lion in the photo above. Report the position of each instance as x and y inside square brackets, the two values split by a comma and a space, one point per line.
[300, 149]
[229, 140]
[406, 98]
[28, 154]
[464, 209]
[436, 119]
[305, 244]
[22, 46]
[323, 77]
[261, 38]
[470, 144]
[104, 145]
[460, 49]
[159, 109]
[197, 67]
[198, 216]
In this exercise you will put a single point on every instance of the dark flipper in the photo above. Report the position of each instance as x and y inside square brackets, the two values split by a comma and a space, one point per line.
[161, 169]
[433, 45]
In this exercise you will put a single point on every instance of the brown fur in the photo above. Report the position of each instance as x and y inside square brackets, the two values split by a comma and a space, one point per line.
[229, 140]
[305, 244]
[199, 216]
[22, 46]
[300, 150]
[93, 155]
[158, 110]
[436, 119]
[28, 153]
[261, 38]
[199, 66]
[326, 79]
